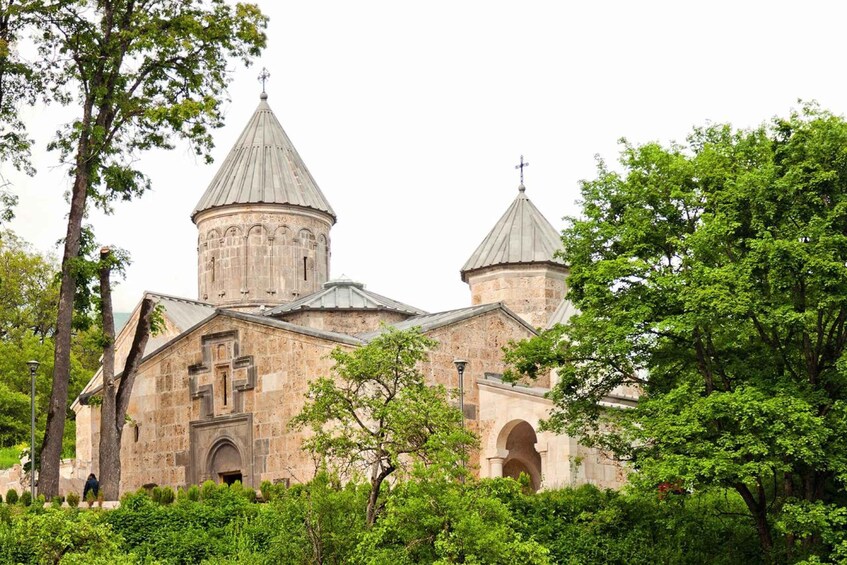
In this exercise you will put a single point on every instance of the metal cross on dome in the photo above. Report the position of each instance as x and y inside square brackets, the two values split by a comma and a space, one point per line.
[263, 77]
[521, 166]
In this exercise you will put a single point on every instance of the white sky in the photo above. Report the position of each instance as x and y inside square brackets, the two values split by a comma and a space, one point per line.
[411, 117]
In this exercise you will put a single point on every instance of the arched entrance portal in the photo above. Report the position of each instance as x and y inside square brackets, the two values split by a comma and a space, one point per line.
[518, 440]
[225, 463]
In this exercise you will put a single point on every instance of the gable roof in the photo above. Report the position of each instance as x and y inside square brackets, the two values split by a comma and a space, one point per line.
[263, 167]
[182, 314]
[563, 313]
[521, 235]
[344, 294]
[192, 311]
[428, 322]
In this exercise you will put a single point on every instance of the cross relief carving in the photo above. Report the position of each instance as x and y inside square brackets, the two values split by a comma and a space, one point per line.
[223, 375]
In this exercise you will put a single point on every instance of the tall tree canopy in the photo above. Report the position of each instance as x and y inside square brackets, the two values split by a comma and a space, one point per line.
[713, 275]
[140, 73]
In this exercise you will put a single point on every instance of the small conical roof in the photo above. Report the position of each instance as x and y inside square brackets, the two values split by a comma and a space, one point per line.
[263, 167]
[522, 235]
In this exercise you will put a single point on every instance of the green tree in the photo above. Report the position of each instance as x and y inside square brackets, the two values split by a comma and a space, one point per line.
[141, 74]
[20, 84]
[714, 277]
[29, 291]
[378, 414]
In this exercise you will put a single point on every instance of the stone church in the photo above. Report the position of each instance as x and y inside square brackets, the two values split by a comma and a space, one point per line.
[217, 388]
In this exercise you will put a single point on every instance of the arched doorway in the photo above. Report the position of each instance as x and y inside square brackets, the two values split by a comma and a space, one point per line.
[518, 440]
[225, 463]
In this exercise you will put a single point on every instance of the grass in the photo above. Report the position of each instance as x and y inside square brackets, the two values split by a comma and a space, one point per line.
[9, 456]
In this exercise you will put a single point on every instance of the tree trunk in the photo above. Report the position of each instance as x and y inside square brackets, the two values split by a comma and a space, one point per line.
[116, 395]
[376, 484]
[759, 510]
[110, 444]
[51, 450]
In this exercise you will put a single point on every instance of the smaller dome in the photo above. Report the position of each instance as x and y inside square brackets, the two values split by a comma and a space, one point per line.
[522, 235]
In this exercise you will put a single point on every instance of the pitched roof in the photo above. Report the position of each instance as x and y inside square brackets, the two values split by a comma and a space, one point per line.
[429, 322]
[263, 167]
[181, 312]
[522, 235]
[563, 313]
[344, 294]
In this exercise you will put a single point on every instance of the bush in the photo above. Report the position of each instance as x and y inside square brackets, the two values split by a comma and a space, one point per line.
[208, 490]
[56, 501]
[51, 535]
[73, 499]
[166, 495]
[26, 498]
[266, 488]
[11, 496]
[193, 493]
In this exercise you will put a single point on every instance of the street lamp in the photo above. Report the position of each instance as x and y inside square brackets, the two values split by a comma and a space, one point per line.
[460, 367]
[33, 367]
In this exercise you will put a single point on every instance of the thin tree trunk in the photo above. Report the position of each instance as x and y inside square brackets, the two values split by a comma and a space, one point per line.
[376, 484]
[110, 446]
[51, 450]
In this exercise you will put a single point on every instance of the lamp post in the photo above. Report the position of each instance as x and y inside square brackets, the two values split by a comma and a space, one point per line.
[460, 367]
[33, 367]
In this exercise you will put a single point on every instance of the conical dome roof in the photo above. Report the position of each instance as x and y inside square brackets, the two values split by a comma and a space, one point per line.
[263, 167]
[522, 235]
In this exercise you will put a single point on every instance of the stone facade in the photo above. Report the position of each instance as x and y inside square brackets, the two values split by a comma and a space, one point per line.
[218, 400]
[531, 291]
[261, 254]
[346, 322]
[217, 389]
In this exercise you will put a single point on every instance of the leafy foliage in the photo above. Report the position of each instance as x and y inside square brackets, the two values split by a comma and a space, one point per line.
[713, 277]
[379, 414]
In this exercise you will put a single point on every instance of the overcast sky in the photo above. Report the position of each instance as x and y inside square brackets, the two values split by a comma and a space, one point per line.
[412, 116]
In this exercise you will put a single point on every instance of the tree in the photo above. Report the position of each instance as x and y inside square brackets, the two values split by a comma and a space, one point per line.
[142, 72]
[377, 413]
[714, 277]
[20, 83]
[117, 392]
[29, 290]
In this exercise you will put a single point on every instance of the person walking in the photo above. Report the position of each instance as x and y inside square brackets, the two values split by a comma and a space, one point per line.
[91, 485]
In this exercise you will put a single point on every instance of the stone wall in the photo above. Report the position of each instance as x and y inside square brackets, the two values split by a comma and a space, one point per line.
[346, 322]
[171, 402]
[531, 291]
[71, 478]
[564, 462]
[227, 390]
[257, 254]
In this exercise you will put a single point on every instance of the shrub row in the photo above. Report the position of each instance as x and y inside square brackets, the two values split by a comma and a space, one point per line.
[421, 521]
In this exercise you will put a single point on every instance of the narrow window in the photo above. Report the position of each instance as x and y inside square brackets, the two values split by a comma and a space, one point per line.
[305, 278]
[213, 268]
[137, 430]
[226, 392]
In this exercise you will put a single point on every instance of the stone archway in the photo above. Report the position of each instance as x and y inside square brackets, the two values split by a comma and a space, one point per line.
[517, 442]
[225, 464]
